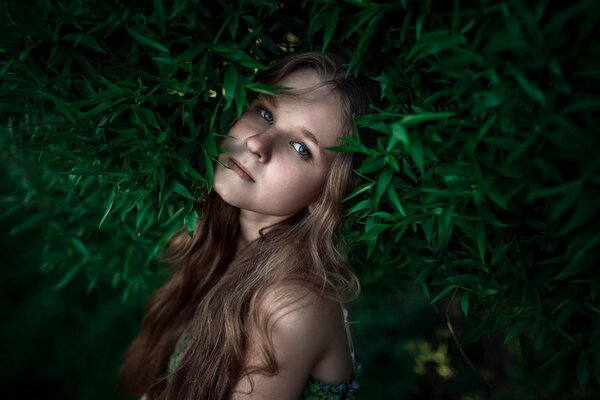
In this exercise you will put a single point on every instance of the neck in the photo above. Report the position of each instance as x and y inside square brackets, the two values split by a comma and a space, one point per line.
[251, 223]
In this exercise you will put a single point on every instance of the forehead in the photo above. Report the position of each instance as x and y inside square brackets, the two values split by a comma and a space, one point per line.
[309, 105]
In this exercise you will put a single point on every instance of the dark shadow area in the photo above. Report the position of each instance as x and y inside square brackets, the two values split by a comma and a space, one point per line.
[56, 344]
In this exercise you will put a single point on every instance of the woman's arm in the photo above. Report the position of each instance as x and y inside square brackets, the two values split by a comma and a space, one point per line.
[300, 336]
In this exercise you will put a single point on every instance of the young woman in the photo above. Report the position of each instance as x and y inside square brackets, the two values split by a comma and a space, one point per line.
[255, 308]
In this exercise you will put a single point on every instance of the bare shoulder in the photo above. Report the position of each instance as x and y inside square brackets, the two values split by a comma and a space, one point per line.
[291, 303]
[300, 319]
[300, 330]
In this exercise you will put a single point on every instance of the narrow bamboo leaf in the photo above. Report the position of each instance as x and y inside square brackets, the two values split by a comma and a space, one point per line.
[395, 200]
[271, 90]
[342, 149]
[406, 169]
[60, 104]
[80, 247]
[445, 292]
[399, 134]
[361, 189]
[383, 181]
[182, 190]
[418, 118]
[464, 304]
[566, 312]
[233, 24]
[529, 87]
[230, 84]
[160, 14]
[363, 205]
[28, 223]
[142, 210]
[146, 41]
[332, 19]
[86, 39]
[517, 329]
[419, 26]
[68, 277]
[147, 117]
[582, 370]
[371, 165]
[109, 205]
[111, 86]
[210, 173]
[536, 302]
[191, 223]
[480, 236]
[179, 7]
[464, 279]
[576, 264]
[416, 153]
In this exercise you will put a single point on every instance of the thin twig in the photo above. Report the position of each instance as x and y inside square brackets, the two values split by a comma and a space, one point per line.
[460, 348]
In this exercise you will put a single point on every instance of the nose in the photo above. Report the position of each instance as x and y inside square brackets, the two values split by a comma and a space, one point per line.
[261, 145]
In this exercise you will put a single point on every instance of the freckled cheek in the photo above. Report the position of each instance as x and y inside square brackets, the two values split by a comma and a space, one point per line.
[242, 129]
[298, 184]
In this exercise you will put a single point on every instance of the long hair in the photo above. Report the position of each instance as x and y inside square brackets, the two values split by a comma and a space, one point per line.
[206, 271]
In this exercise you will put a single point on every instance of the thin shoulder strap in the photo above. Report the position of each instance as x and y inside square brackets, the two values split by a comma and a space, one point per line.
[347, 326]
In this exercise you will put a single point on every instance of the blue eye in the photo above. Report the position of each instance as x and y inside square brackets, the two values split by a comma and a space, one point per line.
[266, 115]
[301, 149]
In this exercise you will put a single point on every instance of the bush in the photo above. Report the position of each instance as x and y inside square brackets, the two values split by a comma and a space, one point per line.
[482, 187]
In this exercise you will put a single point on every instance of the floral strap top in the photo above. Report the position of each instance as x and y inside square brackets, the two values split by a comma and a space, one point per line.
[314, 389]
[317, 390]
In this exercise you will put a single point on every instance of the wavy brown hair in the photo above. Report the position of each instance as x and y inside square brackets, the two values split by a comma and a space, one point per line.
[206, 271]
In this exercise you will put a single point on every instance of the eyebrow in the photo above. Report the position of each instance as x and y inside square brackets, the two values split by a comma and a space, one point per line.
[309, 135]
[272, 100]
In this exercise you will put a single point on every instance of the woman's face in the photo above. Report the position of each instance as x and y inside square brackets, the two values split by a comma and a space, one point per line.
[276, 161]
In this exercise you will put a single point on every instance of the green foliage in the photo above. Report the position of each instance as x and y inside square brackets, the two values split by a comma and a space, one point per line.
[482, 186]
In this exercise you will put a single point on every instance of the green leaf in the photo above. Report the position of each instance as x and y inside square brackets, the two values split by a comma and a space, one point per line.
[191, 223]
[210, 173]
[109, 205]
[517, 329]
[85, 39]
[363, 205]
[333, 15]
[146, 116]
[143, 40]
[464, 304]
[464, 279]
[529, 87]
[68, 277]
[395, 200]
[445, 292]
[399, 134]
[361, 189]
[29, 223]
[230, 84]
[383, 181]
[582, 370]
[182, 190]
[80, 247]
[480, 236]
[425, 117]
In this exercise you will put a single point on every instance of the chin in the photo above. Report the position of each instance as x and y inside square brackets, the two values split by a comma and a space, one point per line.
[222, 191]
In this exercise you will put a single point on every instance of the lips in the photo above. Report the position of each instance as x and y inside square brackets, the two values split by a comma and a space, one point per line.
[238, 169]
